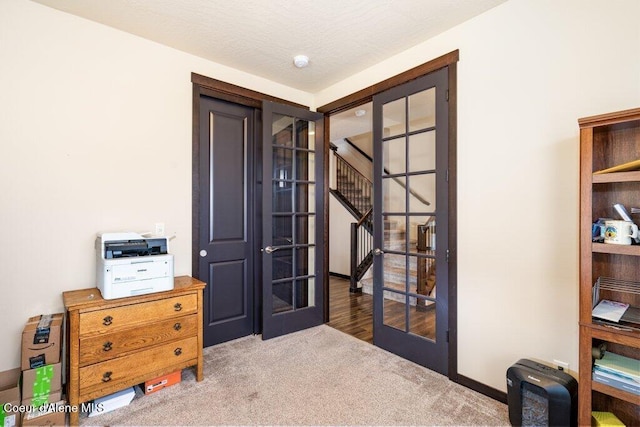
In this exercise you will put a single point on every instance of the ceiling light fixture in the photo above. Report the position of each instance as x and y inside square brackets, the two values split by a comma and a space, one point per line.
[361, 112]
[301, 61]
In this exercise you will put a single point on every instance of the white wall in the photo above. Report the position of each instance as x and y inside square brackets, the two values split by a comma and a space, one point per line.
[95, 135]
[528, 70]
[339, 237]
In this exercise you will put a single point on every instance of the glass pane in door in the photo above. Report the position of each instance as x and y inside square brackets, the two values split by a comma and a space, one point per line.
[282, 196]
[305, 229]
[282, 264]
[282, 297]
[422, 110]
[394, 310]
[395, 194]
[394, 118]
[422, 152]
[422, 197]
[395, 238]
[394, 156]
[422, 318]
[282, 230]
[282, 130]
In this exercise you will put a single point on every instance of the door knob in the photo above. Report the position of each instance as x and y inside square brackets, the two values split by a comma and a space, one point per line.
[270, 249]
[203, 253]
[378, 251]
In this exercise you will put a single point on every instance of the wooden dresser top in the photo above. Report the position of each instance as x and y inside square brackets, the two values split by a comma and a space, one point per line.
[91, 298]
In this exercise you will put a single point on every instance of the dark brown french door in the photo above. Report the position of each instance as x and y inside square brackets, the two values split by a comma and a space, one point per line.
[292, 215]
[411, 220]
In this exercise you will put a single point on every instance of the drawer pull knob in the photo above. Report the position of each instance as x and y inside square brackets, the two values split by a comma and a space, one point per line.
[177, 351]
[177, 306]
[106, 377]
[107, 321]
[177, 326]
[107, 346]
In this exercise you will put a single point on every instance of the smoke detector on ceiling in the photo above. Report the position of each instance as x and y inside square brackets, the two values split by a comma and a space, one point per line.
[301, 61]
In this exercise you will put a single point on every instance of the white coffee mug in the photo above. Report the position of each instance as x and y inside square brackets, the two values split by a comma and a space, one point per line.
[619, 232]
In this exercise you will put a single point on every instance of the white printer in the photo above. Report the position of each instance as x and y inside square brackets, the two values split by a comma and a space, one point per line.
[128, 264]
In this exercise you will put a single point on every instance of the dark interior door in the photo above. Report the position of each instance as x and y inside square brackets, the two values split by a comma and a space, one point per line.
[410, 197]
[292, 214]
[225, 219]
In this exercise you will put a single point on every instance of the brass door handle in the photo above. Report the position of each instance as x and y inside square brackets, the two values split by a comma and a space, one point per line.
[177, 326]
[177, 351]
[107, 346]
[177, 306]
[107, 321]
[106, 377]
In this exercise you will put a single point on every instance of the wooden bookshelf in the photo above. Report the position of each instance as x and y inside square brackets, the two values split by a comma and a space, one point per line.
[607, 141]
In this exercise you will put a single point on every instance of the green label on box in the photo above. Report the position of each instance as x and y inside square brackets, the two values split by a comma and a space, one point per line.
[42, 383]
[2, 415]
[39, 401]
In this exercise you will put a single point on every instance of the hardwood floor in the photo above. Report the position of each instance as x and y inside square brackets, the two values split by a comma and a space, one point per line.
[353, 313]
[350, 313]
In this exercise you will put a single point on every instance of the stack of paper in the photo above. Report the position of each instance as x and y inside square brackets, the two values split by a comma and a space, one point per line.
[609, 310]
[605, 419]
[112, 402]
[618, 371]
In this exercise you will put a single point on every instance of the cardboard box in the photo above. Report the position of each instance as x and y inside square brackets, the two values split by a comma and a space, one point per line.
[56, 415]
[42, 341]
[9, 393]
[41, 381]
[52, 397]
[159, 383]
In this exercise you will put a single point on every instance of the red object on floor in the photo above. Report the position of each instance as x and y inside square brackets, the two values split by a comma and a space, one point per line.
[159, 383]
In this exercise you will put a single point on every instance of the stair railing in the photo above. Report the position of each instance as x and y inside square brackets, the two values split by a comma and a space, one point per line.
[361, 249]
[426, 244]
[354, 186]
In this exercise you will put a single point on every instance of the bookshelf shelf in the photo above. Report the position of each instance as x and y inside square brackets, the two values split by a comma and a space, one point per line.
[610, 334]
[605, 248]
[617, 177]
[607, 141]
[615, 392]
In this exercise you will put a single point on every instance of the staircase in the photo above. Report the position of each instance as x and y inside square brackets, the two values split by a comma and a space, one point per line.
[355, 192]
[395, 268]
[353, 189]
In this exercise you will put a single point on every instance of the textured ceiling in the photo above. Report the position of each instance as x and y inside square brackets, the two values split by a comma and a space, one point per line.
[261, 37]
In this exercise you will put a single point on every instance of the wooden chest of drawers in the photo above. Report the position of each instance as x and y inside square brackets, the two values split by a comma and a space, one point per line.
[115, 344]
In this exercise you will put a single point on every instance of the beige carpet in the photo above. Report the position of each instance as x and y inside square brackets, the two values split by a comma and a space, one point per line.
[319, 376]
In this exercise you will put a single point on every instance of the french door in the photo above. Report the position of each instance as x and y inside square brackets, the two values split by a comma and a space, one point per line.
[410, 198]
[292, 207]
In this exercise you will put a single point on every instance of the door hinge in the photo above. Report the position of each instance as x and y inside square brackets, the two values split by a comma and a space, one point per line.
[447, 175]
[447, 255]
[447, 95]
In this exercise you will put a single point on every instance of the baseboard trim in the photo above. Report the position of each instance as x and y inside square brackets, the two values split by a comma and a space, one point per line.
[342, 276]
[474, 385]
